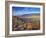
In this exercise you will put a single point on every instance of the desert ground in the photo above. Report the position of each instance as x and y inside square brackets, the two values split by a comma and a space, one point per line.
[20, 23]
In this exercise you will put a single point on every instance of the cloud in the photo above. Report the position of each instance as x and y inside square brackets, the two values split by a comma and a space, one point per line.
[24, 11]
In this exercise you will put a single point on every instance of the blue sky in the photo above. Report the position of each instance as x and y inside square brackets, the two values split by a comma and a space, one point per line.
[16, 11]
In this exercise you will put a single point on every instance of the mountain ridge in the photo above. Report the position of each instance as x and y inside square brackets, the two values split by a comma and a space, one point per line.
[30, 14]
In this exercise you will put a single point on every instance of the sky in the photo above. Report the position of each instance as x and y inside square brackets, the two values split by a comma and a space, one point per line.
[17, 11]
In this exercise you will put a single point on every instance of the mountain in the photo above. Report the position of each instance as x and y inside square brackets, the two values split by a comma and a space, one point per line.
[31, 14]
[36, 14]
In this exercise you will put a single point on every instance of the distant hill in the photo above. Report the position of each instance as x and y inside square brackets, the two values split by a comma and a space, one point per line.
[31, 14]
[36, 14]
